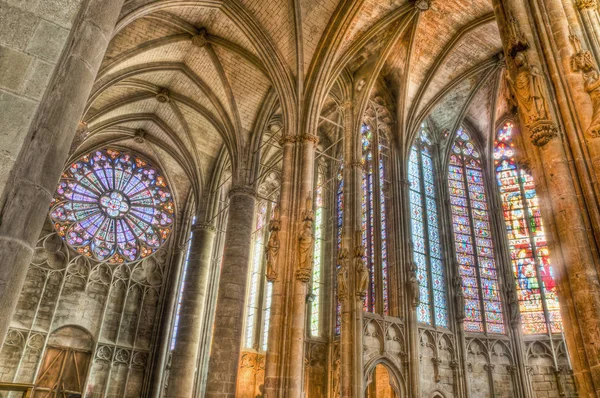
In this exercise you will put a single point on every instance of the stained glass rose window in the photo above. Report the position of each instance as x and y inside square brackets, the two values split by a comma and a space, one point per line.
[113, 206]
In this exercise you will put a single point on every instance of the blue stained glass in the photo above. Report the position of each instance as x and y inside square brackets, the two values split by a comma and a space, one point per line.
[425, 236]
[473, 238]
[98, 216]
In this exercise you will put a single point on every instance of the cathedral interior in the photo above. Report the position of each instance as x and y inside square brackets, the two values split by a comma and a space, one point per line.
[299, 198]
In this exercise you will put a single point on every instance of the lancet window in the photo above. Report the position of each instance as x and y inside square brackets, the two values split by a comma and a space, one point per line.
[339, 218]
[260, 291]
[374, 229]
[427, 252]
[473, 238]
[182, 287]
[535, 284]
[318, 285]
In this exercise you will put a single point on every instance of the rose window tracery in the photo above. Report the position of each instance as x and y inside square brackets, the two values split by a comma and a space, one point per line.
[113, 206]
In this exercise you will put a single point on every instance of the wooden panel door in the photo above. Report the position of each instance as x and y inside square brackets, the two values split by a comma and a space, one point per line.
[63, 373]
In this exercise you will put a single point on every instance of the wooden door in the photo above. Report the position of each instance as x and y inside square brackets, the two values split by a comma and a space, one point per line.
[63, 373]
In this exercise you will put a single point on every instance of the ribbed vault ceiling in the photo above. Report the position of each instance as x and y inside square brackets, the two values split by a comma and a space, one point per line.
[203, 78]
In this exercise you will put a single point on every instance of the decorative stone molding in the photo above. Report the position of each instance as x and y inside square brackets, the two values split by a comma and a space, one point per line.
[201, 39]
[587, 4]
[163, 95]
[242, 190]
[272, 248]
[357, 165]
[583, 61]
[140, 136]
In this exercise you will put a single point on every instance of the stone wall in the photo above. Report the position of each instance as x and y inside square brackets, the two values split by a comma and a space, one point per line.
[117, 305]
[33, 35]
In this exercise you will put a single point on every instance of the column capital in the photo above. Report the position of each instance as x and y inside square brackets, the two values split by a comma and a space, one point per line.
[308, 138]
[287, 139]
[242, 190]
[422, 5]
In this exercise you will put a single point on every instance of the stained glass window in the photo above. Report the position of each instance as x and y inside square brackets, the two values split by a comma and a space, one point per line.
[181, 288]
[113, 206]
[374, 230]
[473, 238]
[536, 288]
[427, 253]
[317, 278]
[339, 207]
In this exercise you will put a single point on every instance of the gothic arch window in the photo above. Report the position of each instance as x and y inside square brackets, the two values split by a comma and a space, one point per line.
[258, 309]
[318, 284]
[182, 286]
[473, 238]
[339, 219]
[536, 287]
[113, 206]
[427, 252]
[374, 228]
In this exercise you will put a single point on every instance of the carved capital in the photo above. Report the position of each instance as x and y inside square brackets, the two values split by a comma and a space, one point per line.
[304, 275]
[308, 138]
[287, 140]
[542, 132]
[201, 39]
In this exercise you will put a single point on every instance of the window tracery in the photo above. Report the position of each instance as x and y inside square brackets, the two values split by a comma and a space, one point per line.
[427, 253]
[473, 238]
[113, 206]
[535, 284]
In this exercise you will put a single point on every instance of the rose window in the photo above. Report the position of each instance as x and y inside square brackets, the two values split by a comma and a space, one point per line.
[113, 206]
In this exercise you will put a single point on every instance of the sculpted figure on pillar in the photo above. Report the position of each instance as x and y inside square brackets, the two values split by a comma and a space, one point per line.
[305, 246]
[514, 315]
[413, 285]
[528, 87]
[459, 298]
[342, 274]
[583, 61]
[362, 272]
[272, 249]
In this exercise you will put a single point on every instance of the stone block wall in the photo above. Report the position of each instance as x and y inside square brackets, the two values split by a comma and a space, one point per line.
[33, 35]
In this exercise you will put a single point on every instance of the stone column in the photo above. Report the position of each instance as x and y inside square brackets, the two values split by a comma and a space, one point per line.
[30, 188]
[274, 360]
[227, 340]
[303, 272]
[185, 355]
[572, 248]
[351, 355]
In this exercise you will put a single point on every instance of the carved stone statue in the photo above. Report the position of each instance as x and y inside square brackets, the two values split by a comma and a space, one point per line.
[528, 88]
[530, 93]
[272, 248]
[362, 272]
[305, 246]
[514, 315]
[459, 298]
[342, 274]
[413, 285]
[583, 61]
[336, 378]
